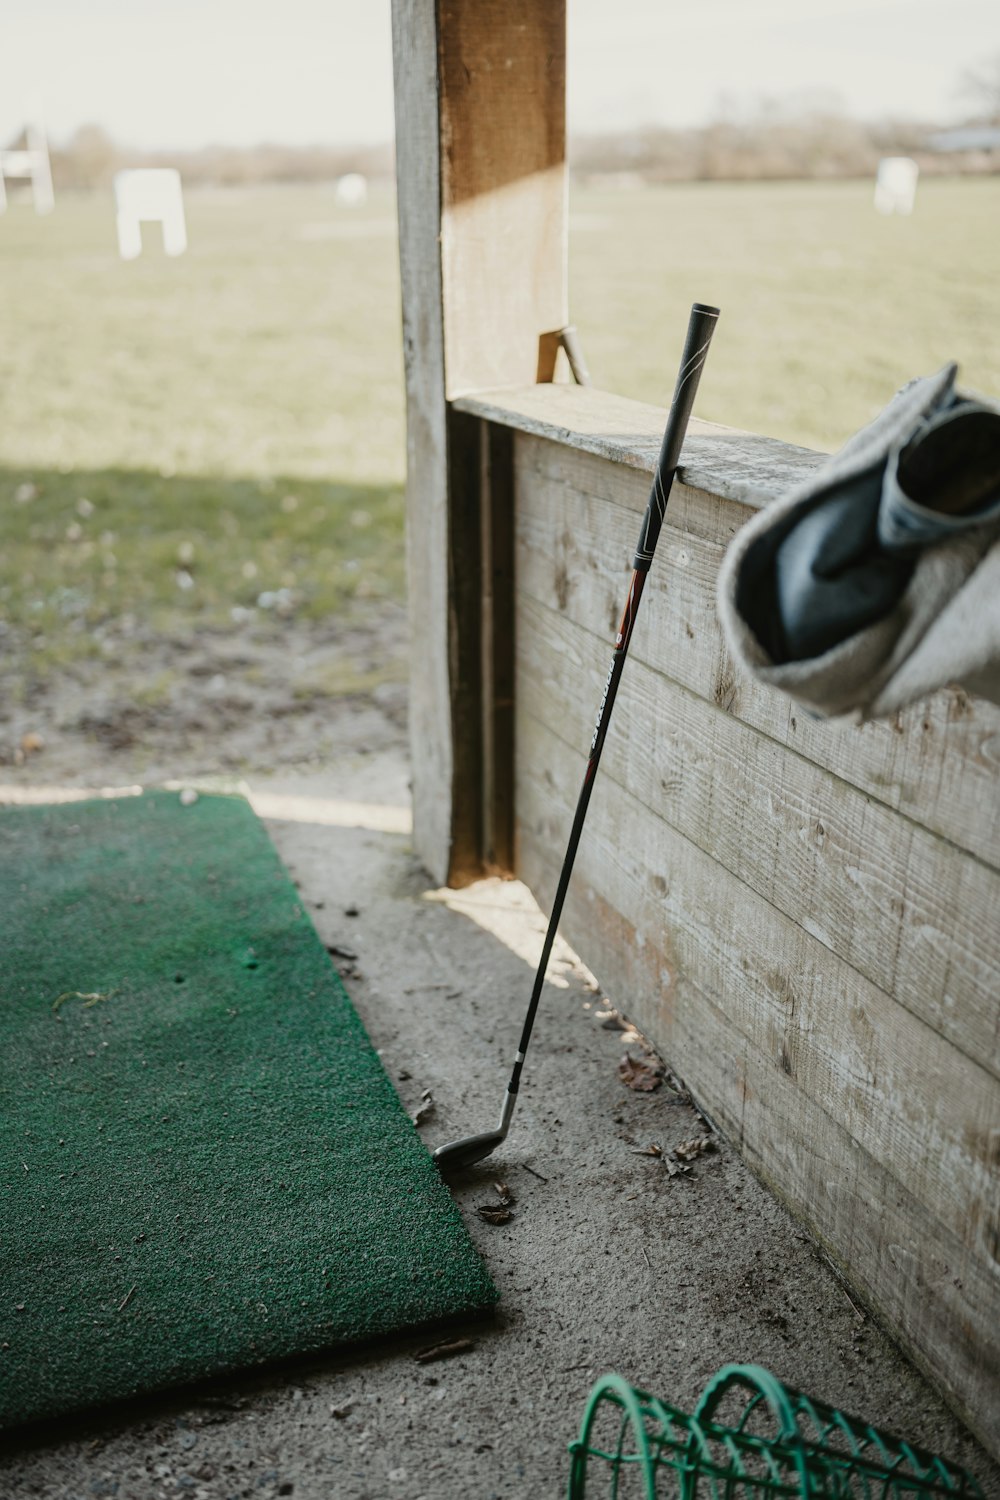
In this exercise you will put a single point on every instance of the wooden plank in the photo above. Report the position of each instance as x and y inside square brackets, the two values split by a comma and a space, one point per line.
[905, 908]
[498, 666]
[859, 1055]
[418, 187]
[465, 647]
[504, 219]
[751, 1011]
[577, 517]
[723, 460]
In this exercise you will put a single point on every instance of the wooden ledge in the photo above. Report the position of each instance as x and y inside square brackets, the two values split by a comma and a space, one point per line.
[723, 461]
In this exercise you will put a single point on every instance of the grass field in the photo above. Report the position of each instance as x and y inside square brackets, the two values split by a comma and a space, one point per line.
[182, 438]
[827, 306]
[179, 439]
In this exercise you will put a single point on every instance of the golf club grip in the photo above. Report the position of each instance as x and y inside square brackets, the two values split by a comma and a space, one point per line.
[701, 326]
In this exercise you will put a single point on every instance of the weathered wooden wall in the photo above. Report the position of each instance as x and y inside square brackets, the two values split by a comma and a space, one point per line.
[802, 917]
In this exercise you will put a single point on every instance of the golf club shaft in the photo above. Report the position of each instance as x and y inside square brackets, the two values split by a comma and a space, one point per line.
[701, 326]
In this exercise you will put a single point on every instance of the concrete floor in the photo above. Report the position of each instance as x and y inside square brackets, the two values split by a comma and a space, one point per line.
[608, 1262]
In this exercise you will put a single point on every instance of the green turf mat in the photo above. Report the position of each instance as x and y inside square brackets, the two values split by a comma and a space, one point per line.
[203, 1165]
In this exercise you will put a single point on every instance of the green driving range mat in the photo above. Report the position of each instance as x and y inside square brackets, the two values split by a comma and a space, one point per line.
[203, 1165]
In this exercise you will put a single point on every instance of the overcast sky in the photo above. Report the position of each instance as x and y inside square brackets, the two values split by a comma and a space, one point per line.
[189, 72]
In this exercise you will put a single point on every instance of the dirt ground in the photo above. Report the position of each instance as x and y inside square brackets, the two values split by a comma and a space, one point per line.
[609, 1260]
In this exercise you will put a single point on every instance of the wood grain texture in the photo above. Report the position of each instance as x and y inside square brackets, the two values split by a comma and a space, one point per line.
[737, 465]
[799, 914]
[414, 42]
[498, 667]
[858, 1054]
[578, 517]
[821, 1079]
[504, 186]
[905, 908]
[466, 621]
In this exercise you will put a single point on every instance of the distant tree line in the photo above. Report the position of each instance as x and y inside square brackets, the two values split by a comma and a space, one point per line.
[91, 158]
[772, 145]
[798, 137]
[791, 138]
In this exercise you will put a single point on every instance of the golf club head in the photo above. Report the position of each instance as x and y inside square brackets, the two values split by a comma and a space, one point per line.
[462, 1153]
[457, 1155]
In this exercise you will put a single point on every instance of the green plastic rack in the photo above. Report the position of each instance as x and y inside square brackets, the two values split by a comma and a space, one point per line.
[749, 1435]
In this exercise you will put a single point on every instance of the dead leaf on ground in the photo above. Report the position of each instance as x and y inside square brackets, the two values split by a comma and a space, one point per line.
[640, 1073]
[443, 1351]
[697, 1146]
[676, 1168]
[493, 1214]
[677, 1084]
[339, 950]
[424, 1109]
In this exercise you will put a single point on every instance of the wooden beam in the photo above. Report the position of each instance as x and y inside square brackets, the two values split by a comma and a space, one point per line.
[503, 184]
[498, 658]
[414, 45]
[480, 150]
[724, 461]
[465, 645]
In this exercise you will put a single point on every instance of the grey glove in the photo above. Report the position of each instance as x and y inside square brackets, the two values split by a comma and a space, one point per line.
[828, 590]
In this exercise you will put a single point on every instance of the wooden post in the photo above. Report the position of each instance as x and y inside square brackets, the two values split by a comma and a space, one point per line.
[481, 171]
[498, 666]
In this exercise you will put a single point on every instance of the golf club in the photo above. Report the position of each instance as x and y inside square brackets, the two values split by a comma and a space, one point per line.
[455, 1155]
